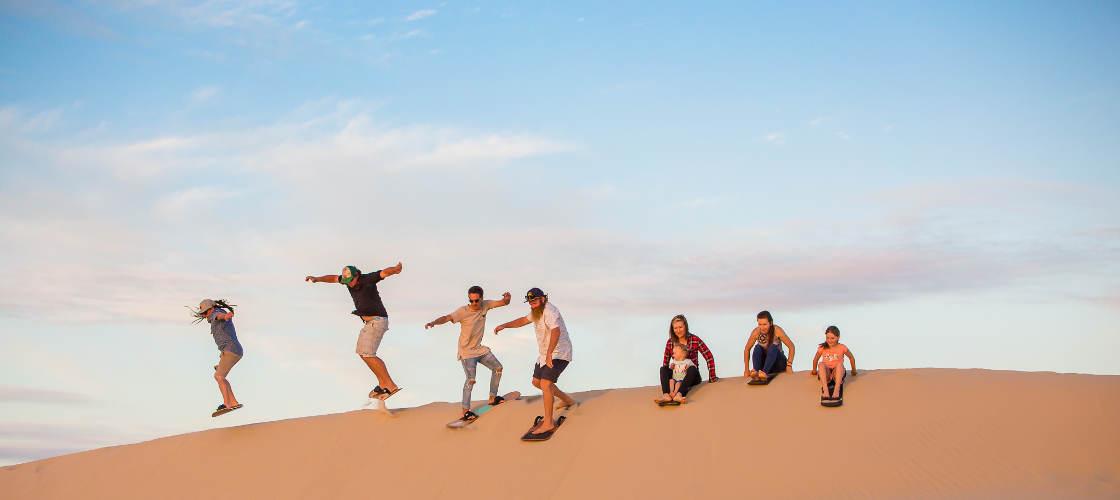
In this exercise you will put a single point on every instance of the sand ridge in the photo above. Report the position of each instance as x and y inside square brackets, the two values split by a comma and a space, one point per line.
[901, 433]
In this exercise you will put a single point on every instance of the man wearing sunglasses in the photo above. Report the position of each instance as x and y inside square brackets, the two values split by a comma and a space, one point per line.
[555, 350]
[375, 320]
[472, 326]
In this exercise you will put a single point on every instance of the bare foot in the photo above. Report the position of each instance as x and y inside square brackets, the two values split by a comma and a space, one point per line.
[663, 398]
[763, 376]
[544, 427]
[754, 373]
[565, 403]
[678, 398]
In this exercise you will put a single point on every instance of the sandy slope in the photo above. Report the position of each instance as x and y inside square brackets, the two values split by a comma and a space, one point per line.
[901, 433]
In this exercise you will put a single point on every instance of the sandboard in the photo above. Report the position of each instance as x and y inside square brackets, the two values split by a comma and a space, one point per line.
[665, 404]
[832, 403]
[224, 410]
[529, 436]
[482, 410]
[769, 378]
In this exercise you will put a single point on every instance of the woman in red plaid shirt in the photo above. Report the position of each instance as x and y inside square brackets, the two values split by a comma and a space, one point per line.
[679, 334]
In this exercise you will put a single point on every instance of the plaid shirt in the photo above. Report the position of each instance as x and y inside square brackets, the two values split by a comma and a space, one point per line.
[695, 345]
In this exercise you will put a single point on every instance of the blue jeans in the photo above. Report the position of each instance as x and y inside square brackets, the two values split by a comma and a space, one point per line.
[470, 368]
[770, 360]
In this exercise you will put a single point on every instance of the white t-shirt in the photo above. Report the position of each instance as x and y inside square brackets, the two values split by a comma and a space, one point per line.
[680, 367]
[550, 319]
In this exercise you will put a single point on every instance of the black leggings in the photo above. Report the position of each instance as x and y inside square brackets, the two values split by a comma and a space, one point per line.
[691, 379]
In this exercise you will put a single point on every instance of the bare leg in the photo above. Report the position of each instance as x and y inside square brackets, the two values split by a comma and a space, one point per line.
[822, 373]
[228, 398]
[378, 368]
[565, 400]
[838, 376]
[547, 388]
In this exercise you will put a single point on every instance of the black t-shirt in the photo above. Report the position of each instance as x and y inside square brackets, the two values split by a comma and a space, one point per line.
[367, 301]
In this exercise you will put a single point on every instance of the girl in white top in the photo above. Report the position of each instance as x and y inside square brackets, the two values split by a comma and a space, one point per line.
[679, 364]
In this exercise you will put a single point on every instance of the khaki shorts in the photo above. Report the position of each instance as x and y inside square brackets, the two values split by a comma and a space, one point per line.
[226, 362]
[369, 339]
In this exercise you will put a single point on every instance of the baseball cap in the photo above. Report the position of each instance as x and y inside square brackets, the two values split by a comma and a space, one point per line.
[206, 304]
[354, 273]
[534, 293]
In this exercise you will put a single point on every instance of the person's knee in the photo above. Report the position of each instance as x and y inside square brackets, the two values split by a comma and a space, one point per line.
[220, 377]
[537, 383]
[470, 382]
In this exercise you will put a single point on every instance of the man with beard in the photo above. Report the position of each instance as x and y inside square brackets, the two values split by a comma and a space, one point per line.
[554, 350]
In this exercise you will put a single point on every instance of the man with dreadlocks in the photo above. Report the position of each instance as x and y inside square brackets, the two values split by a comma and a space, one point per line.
[375, 320]
[220, 316]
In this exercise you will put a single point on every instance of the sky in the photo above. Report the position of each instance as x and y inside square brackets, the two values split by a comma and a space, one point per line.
[938, 180]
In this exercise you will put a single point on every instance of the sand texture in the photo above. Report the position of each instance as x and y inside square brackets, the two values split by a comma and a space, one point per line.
[929, 433]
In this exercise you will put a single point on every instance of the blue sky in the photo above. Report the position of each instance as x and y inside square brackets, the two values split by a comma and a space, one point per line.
[938, 180]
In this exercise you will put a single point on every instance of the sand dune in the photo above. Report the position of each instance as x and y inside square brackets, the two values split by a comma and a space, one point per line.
[901, 433]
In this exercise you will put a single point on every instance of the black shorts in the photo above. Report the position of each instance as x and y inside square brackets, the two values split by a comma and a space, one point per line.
[550, 374]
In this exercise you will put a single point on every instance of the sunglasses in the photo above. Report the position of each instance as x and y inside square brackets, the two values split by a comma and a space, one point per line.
[475, 301]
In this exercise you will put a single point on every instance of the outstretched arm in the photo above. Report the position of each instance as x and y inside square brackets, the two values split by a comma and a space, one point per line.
[438, 321]
[389, 271]
[852, 360]
[226, 316]
[816, 358]
[747, 352]
[326, 278]
[517, 323]
[506, 297]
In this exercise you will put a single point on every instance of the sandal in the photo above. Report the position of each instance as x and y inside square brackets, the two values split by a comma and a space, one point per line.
[469, 416]
[222, 410]
[498, 400]
[386, 393]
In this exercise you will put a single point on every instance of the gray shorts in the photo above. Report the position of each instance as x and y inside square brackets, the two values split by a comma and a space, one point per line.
[369, 339]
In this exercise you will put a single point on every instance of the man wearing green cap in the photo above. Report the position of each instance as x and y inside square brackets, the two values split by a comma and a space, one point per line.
[375, 320]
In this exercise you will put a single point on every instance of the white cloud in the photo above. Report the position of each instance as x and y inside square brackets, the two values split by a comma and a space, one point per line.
[421, 14]
[191, 203]
[408, 34]
[776, 138]
[14, 120]
[203, 94]
[118, 204]
[816, 122]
